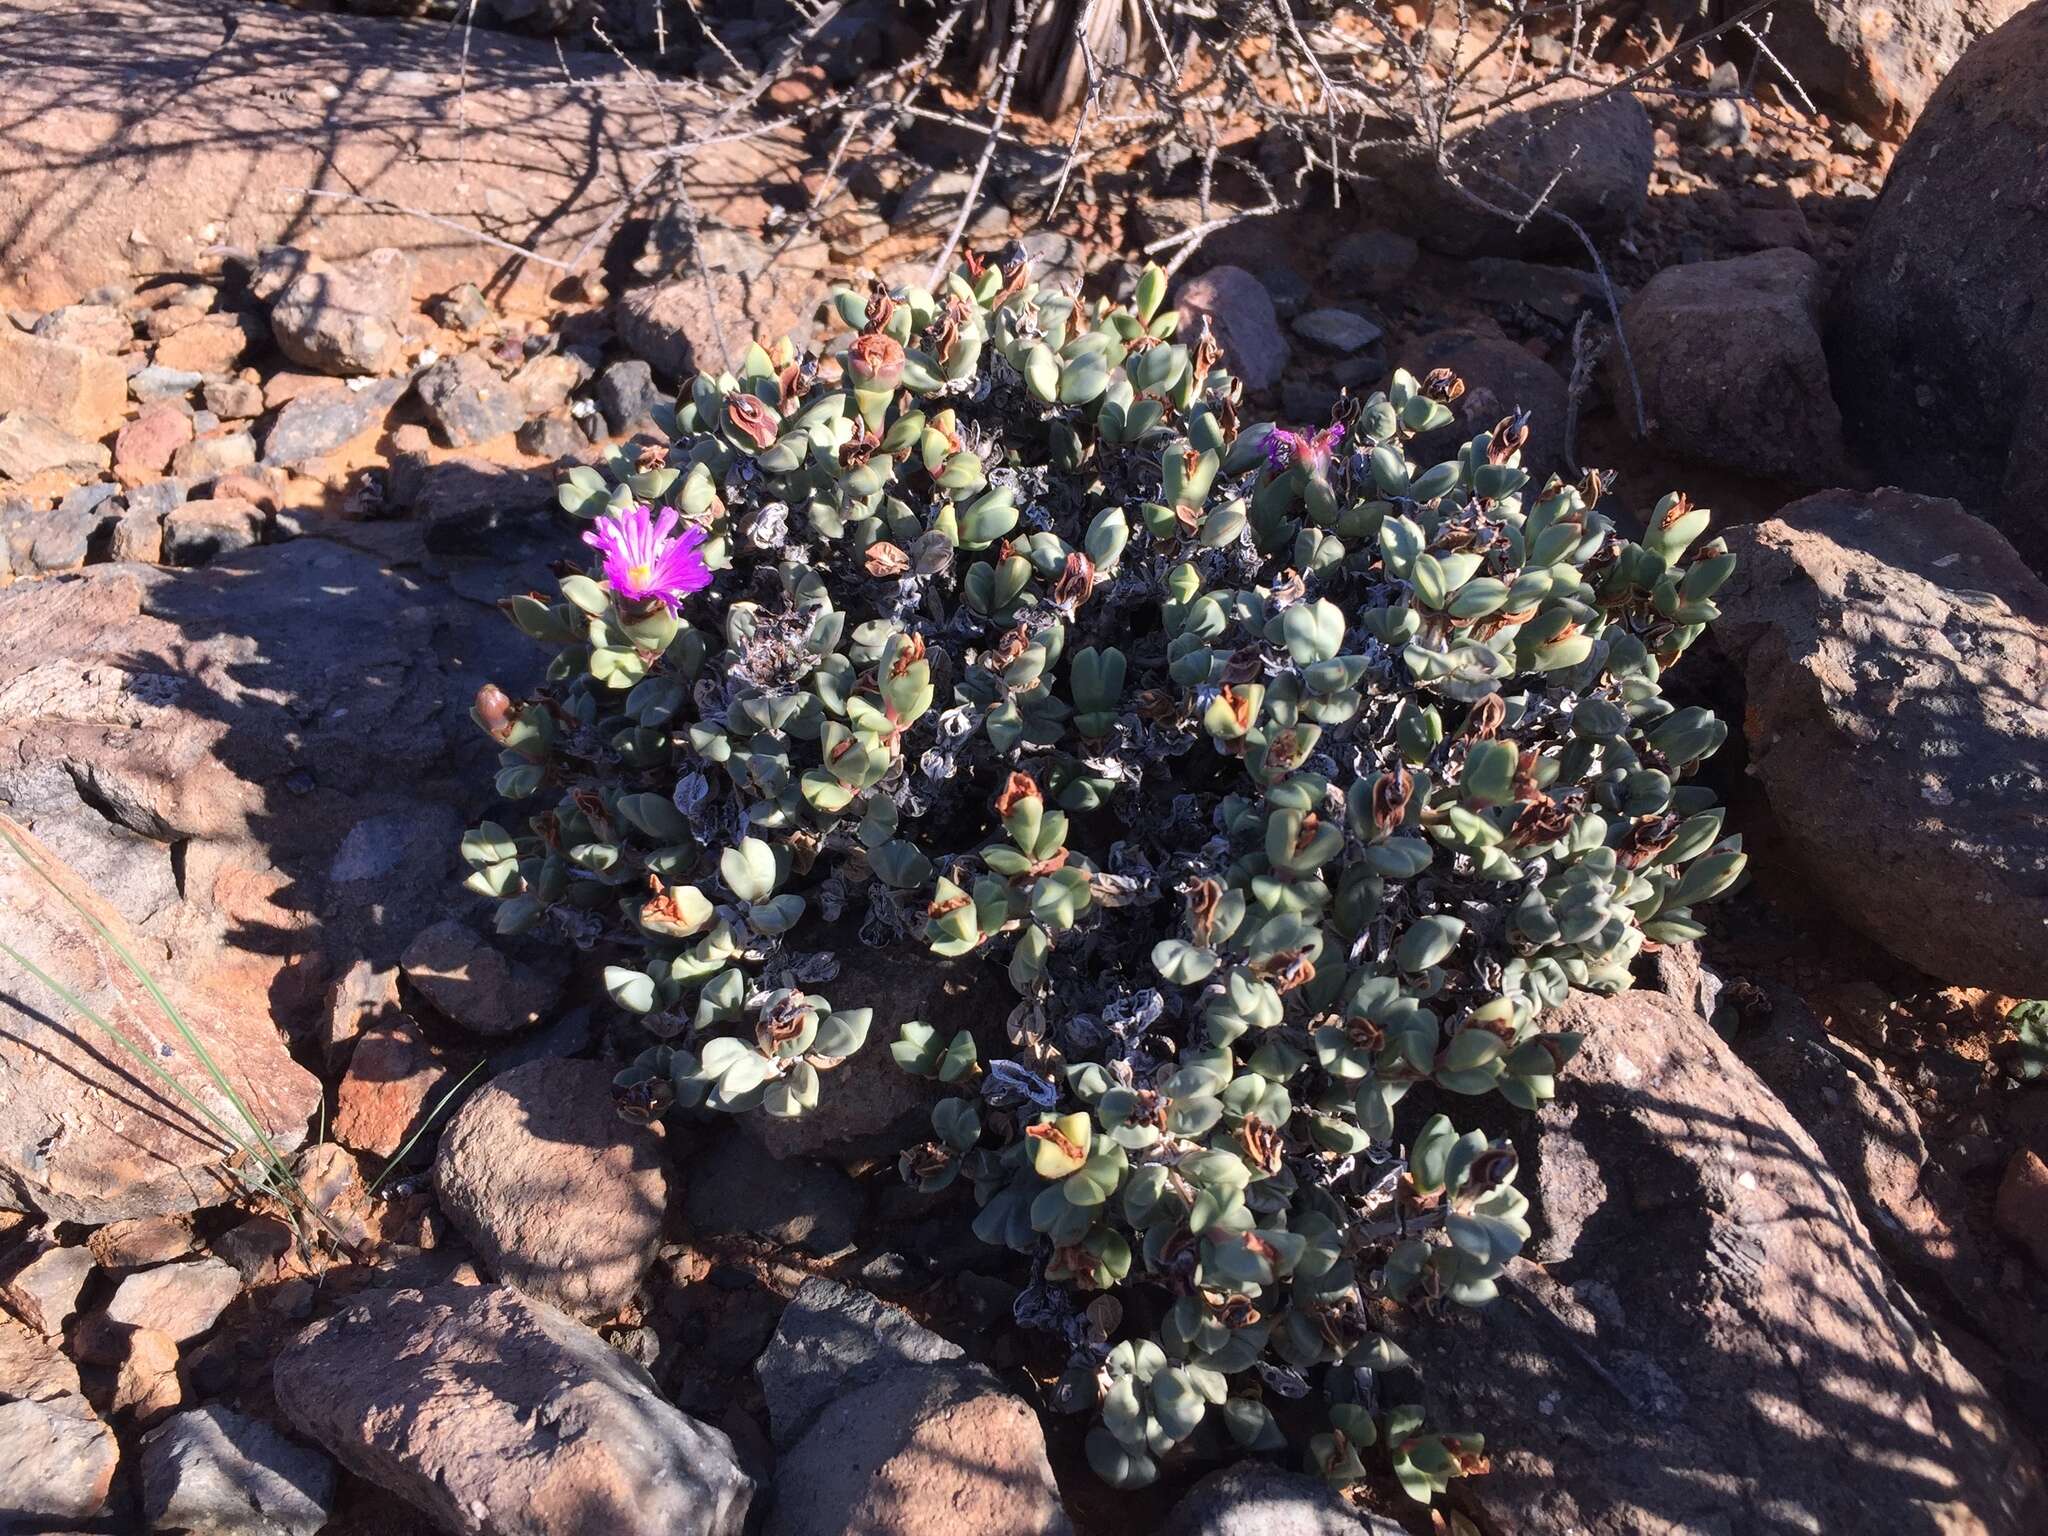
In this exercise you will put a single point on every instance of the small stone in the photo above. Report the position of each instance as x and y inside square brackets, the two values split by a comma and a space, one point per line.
[234, 399]
[554, 436]
[2021, 1212]
[144, 447]
[732, 1189]
[158, 383]
[559, 1196]
[1374, 259]
[256, 1248]
[215, 344]
[832, 1339]
[169, 319]
[59, 1464]
[339, 318]
[1556, 293]
[137, 535]
[1240, 315]
[314, 424]
[83, 394]
[32, 1366]
[626, 395]
[141, 1241]
[146, 1378]
[32, 445]
[63, 538]
[474, 984]
[216, 1472]
[467, 400]
[199, 532]
[42, 1289]
[1337, 330]
[94, 327]
[208, 458]
[182, 1300]
[462, 309]
[393, 1082]
[546, 383]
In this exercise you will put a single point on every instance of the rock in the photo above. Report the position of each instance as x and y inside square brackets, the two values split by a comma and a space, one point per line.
[55, 540]
[144, 447]
[833, 1339]
[926, 1452]
[559, 1196]
[552, 437]
[875, 1108]
[337, 317]
[498, 1416]
[32, 1367]
[679, 327]
[41, 1286]
[1895, 653]
[1240, 316]
[1337, 330]
[1057, 261]
[1729, 357]
[216, 1472]
[465, 309]
[154, 383]
[360, 999]
[1587, 155]
[198, 532]
[1879, 64]
[473, 983]
[466, 399]
[182, 1300]
[2022, 1209]
[1705, 1339]
[394, 1081]
[1501, 378]
[60, 1461]
[235, 399]
[733, 1189]
[214, 455]
[92, 327]
[626, 395]
[136, 1152]
[32, 446]
[313, 425]
[1374, 259]
[212, 344]
[1253, 1498]
[469, 503]
[1938, 330]
[146, 1385]
[80, 393]
[546, 383]
[141, 1241]
[138, 534]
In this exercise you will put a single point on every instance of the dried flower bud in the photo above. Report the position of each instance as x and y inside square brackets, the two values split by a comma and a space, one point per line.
[749, 417]
[875, 361]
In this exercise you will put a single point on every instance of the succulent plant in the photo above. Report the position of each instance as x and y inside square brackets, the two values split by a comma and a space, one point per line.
[1291, 782]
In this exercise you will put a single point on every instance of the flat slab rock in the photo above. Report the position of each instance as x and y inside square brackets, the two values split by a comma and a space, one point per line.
[832, 1338]
[559, 1196]
[498, 1416]
[1895, 654]
[217, 1471]
[1707, 1340]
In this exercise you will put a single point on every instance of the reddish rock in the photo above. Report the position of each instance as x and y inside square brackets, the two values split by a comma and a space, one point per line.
[677, 325]
[95, 327]
[59, 1465]
[83, 393]
[32, 1366]
[144, 448]
[35, 449]
[212, 344]
[146, 1384]
[338, 317]
[2022, 1208]
[1501, 377]
[559, 1196]
[141, 1242]
[472, 982]
[42, 1286]
[394, 1080]
[499, 1416]
[182, 1300]
[1241, 318]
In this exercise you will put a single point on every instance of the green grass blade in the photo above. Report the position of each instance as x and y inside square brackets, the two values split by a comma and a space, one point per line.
[398, 1157]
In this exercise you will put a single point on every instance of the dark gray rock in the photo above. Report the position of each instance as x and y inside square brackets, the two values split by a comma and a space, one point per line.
[1561, 294]
[215, 1472]
[626, 395]
[737, 1188]
[467, 400]
[1337, 330]
[1501, 378]
[199, 532]
[323, 420]
[1374, 259]
[833, 1338]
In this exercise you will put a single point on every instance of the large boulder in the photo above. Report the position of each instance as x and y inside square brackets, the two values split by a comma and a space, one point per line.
[1939, 328]
[337, 317]
[1729, 357]
[113, 167]
[499, 1416]
[1700, 1336]
[221, 1473]
[87, 1133]
[559, 1196]
[1895, 653]
[1876, 62]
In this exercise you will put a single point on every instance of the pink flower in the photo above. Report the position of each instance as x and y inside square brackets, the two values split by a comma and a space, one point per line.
[641, 561]
[1284, 449]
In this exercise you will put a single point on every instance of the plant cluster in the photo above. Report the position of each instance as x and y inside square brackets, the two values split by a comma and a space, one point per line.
[1292, 782]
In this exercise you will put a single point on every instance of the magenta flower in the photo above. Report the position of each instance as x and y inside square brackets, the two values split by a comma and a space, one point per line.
[641, 561]
[1285, 449]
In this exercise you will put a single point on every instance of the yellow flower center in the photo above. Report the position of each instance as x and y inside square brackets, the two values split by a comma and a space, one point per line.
[639, 573]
